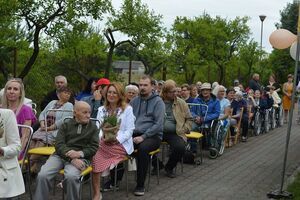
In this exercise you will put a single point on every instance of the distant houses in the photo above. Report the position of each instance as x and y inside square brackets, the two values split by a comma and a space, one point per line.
[122, 69]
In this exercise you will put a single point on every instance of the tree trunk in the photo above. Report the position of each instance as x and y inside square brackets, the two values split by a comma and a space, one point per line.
[4, 70]
[35, 53]
[109, 61]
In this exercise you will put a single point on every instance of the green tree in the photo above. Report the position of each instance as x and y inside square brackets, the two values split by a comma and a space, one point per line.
[81, 50]
[134, 20]
[280, 61]
[50, 16]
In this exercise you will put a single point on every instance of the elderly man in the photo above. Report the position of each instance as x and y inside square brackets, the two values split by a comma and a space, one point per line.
[177, 123]
[76, 143]
[149, 110]
[204, 115]
[254, 82]
[59, 82]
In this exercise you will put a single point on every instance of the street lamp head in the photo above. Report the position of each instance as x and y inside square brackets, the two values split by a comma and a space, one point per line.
[262, 17]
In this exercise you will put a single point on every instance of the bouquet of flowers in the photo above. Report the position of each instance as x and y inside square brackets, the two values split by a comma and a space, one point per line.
[110, 128]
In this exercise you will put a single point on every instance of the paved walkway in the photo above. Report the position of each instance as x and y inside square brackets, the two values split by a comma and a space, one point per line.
[246, 171]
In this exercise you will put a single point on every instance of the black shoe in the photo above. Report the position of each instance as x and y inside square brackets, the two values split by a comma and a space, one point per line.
[170, 173]
[139, 191]
[109, 186]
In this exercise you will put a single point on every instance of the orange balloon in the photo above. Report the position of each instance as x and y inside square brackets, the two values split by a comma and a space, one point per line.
[282, 39]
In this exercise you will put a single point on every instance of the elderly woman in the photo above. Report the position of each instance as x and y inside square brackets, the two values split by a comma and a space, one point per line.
[220, 92]
[131, 91]
[110, 153]
[237, 104]
[11, 179]
[50, 121]
[13, 99]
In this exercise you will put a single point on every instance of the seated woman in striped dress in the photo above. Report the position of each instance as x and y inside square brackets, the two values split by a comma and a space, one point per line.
[111, 153]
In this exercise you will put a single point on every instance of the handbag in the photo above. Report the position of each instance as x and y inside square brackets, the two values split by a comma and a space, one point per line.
[131, 164]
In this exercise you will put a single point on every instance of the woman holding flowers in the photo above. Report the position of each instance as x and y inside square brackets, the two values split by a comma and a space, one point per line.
[116, 128]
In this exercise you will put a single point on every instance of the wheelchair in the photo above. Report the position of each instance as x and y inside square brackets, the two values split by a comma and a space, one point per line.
[217, 138]
[279, 116]
[261, 121]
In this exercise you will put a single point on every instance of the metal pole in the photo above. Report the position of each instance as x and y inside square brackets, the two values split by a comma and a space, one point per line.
[262, 18]
[284, 194]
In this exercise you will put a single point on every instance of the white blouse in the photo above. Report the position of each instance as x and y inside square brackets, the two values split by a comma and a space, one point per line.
[127, 118]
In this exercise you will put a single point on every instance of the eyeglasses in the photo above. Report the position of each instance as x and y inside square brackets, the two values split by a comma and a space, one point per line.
[173, 91]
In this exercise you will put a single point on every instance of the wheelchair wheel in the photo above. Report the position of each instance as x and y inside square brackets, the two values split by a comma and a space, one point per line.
[267, 121]
[257, 124]
[213, 153]
[222, 148]
[280, 116]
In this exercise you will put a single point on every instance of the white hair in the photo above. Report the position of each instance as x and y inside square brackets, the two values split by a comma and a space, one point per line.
[216, 90]
[61, 77]
[132, 87]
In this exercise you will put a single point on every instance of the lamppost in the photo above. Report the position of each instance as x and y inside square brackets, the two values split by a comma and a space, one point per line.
[262, 18]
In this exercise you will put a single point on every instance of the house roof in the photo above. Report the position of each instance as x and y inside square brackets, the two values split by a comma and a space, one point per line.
[125, 65]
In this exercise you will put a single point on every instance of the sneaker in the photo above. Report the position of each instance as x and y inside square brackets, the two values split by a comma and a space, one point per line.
[139, 191]
[170, 173]
[108, 186]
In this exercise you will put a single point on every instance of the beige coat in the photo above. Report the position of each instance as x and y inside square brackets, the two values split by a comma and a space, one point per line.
[182, 116]
[11, 179]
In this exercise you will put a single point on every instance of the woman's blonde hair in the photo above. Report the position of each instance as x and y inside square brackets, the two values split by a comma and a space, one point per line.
[121, 93]
[5, 103]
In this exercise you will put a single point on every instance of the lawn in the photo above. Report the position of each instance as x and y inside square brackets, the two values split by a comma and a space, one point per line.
[294, 188]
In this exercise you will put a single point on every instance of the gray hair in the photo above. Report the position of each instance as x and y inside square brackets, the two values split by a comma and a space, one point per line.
[217, 89]
[132, 87]
[61, 77]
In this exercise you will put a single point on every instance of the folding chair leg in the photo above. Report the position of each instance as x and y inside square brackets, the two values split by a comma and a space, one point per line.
[149, 173]
[126, 177]
[201, 153]
[157, 168]
[116, 175]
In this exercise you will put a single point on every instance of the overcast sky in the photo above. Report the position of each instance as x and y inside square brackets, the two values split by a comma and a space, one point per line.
[224, 8]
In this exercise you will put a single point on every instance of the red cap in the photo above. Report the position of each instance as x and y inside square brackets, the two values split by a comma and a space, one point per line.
[103, 81]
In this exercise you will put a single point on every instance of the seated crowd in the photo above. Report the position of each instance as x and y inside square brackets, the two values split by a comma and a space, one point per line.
[106, 122]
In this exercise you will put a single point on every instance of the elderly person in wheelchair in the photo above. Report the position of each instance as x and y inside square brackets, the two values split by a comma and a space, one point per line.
[206, 111]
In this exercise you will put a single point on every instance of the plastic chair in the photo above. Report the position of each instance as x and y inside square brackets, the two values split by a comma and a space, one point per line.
[237, 127]
[24, 161]
[201, 109]
[163, 144]
[81, 180]
[151, 154]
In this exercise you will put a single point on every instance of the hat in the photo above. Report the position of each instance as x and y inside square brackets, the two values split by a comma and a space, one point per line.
[236, 81]
[206, 86]
[103, 81]
[161, 82]
[290, 76]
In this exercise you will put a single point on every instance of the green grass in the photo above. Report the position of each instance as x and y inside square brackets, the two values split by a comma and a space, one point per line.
[294, 188]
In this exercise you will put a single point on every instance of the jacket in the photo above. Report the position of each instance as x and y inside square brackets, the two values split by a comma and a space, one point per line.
[182, 116]
[124, 135]
[213, 109]
[149, 115]
[72, 137]
[11, 178]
